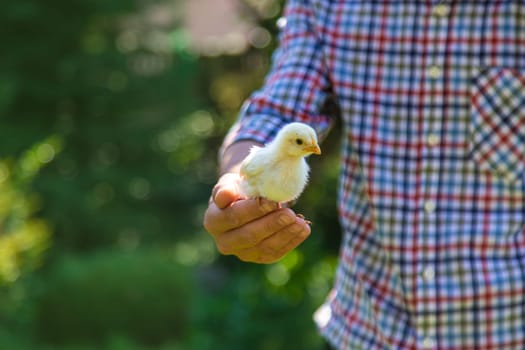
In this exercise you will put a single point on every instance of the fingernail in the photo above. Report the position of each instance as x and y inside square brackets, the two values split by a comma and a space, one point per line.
[286, 220]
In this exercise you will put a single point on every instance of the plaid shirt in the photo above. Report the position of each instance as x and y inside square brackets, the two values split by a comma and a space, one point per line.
[432, 191]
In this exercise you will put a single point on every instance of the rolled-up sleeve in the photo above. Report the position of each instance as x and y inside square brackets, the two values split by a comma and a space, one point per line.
[295, 89]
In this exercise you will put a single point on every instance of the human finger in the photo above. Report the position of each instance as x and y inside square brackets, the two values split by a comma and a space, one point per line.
[278, 245]
[237, 214]
[255, 231]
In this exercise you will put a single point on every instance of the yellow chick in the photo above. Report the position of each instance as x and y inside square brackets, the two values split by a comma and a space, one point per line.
[279, 171]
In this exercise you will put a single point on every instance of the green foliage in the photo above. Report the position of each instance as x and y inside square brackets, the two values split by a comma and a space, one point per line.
[23, 238]
[142, 295]
[262, 307]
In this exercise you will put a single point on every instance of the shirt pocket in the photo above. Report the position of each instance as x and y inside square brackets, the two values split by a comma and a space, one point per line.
[497, 125]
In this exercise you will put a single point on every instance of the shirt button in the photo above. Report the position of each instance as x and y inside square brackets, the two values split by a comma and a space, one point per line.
[434, 72]
[430, 207]
[428, 343]
[433, 140]
[429, 273]
[441, 10]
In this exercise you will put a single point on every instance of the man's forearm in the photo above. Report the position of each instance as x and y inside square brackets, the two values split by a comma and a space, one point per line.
[231, 157]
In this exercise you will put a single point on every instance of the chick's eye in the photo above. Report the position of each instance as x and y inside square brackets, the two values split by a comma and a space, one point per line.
[299, 141]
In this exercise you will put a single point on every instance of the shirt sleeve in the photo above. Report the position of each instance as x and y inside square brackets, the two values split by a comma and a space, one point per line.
[297, 86]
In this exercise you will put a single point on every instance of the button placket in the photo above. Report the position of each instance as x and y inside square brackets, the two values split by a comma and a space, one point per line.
[438, 26]
[434, 71]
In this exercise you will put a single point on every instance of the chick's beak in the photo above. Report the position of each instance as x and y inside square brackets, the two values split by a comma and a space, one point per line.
[315, 149]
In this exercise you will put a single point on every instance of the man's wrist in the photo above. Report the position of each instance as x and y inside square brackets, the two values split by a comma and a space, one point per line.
[232, 156]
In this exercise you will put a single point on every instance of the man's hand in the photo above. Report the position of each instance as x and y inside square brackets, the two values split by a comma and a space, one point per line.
[254, 232]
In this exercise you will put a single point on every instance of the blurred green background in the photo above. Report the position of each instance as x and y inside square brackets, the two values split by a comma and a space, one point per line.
[111, 114]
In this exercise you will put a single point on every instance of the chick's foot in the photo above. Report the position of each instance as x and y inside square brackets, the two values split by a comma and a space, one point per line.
[301, 216]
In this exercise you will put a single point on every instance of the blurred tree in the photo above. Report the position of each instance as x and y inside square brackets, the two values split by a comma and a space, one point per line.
[104, 289]
[23, 238]
[121, 100]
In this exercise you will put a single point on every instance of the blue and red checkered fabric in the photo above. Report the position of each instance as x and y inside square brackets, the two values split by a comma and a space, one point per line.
[432, 186]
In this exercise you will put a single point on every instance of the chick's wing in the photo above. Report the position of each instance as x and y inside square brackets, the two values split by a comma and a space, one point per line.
[254, 163]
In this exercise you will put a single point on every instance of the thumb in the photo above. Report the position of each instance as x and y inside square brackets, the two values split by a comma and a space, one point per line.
[225, 196]
[226, 191]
